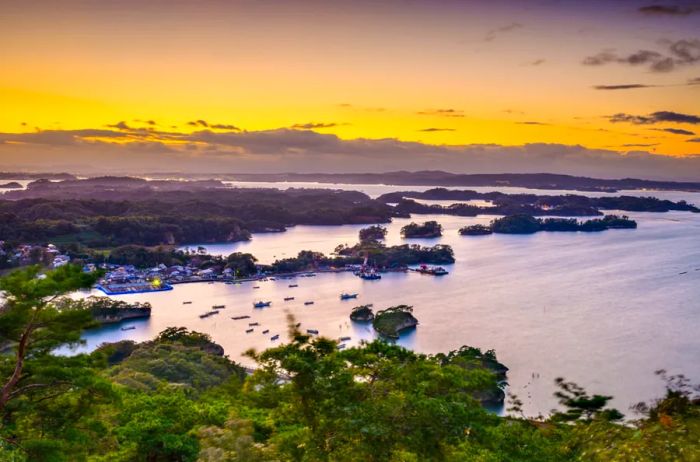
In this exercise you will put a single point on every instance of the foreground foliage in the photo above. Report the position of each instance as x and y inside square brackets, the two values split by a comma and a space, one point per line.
[178, 398]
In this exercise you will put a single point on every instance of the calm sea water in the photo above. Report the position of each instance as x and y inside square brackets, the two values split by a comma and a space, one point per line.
[602, 309]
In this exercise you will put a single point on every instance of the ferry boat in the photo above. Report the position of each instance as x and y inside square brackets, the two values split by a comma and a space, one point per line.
[308, 303]
[346, 296]
[286, 299]
[432, 270]
[261, 304]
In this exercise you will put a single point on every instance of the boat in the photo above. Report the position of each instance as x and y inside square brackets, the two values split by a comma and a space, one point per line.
[312, 331]
[298, 324]
[369, 275]
[275, 337]
[286, 299]
[256, 287]
[344, 339]
[251, 324]
[266, 331]
[308, 303]
[248, 331]
[341, 346]
[228, 283]
[218, 307]
[293, 285]
[208, 313]
[187, 303]
[346, 296]
[236, 318]
[129, 328]
[431, 270]
[261, 304]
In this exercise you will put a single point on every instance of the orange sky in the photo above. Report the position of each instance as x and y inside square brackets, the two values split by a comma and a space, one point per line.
[438, 72]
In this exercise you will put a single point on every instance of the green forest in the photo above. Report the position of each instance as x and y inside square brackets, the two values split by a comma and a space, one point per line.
[179, 398]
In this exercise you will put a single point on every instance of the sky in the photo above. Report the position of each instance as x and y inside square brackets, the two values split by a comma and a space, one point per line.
[604, 88]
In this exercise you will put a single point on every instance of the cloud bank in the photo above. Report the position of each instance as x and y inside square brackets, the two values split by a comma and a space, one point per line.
[293, 150]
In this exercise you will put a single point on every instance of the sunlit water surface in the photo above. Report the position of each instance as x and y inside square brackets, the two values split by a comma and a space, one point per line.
[602, 309]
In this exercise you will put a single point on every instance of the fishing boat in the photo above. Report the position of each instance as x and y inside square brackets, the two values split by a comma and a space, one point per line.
[251, 324]
[275, 337]
[236, 318]
[208, 313]
[218, 307]
[431, 270]
[344, 339]
[261, 304]
[286, 299]
[341, 346]
[346, 296]
[129, 328]
[248, 331]
[266, 331]
[256, 287]
[308, 303]
[187, 303]
[312, 331]
[368, 274]
[293, 285]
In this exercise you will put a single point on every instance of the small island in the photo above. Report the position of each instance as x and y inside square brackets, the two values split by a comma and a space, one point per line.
[373, 233]
[527, 224]
[429, 229]
[105, 310]
[475, 230]
[392, 321]
[11, 185]
[362, 313]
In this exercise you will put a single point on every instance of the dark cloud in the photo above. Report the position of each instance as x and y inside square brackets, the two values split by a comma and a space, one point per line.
[435, 129]
[443, 112]
[655, 117]
[668, 10]
[678, 53]
[537, 62]
[493, 33]
[627, 86]
[694, 140]
[695, 81]
[205, 124]
[639, 145]
[675, 131]
[61, 137]
[531, 122]
[120, 126]
[314, 125]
